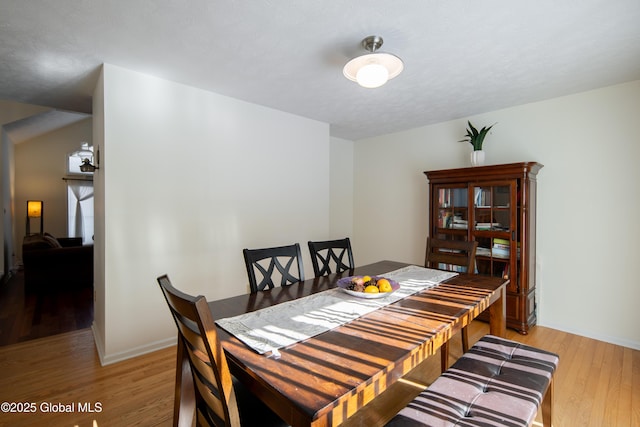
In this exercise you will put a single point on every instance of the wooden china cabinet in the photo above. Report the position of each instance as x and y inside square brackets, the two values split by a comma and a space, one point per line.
[495, 206]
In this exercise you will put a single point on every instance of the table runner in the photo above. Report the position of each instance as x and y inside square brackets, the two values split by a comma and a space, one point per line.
[271, 328]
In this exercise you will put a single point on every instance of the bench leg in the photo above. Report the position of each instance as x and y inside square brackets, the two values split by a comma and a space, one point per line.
[444, 356]
[547, 406]
[465, 339]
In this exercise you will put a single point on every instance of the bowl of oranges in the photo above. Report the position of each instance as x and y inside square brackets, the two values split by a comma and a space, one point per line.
[368, 286]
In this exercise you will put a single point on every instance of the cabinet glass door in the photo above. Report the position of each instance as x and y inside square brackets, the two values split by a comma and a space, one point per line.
[494, 228]
[452, 212]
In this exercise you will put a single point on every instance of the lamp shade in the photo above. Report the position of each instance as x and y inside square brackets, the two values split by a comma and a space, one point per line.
[373, 70]
[34, 208]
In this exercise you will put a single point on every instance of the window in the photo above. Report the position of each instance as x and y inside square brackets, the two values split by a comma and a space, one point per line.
[80, 201]
[80, 195]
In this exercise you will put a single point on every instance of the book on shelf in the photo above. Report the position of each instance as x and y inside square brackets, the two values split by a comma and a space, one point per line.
[482, 198]
[500, 253]
[493, 252]
[483, 251]
[487, 225]
[505, 271]
[447, 220]
[502, 248]
[444, 198]
[460, 223]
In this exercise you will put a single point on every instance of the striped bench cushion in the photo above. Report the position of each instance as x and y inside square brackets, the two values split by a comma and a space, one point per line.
[497, 382]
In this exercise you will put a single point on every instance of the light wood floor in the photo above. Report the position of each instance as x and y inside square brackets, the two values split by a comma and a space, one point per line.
[597, 384]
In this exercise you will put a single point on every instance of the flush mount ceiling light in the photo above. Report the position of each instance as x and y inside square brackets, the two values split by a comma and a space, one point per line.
[373, 69]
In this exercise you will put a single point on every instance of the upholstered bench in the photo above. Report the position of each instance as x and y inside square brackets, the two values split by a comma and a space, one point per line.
[496, 383]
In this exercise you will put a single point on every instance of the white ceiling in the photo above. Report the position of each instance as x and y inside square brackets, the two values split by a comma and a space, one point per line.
[462, 57]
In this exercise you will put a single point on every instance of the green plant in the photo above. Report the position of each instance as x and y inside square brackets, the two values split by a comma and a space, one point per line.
[474, 137]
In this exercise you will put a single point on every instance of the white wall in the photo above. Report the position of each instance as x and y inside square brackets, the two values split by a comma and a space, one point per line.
[99, 278]
[341, 189]
[588, 200]
[10, 112]
[190, 179]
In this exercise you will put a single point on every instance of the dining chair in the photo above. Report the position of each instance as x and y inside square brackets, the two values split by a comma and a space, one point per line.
[456, 255]
[205, 388]
[331, 253]
[267, 260]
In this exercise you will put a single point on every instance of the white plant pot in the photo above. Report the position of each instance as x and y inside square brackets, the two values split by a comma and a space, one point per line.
[477, 158]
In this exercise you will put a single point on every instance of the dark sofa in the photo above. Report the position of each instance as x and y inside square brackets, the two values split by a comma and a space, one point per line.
[53, 264]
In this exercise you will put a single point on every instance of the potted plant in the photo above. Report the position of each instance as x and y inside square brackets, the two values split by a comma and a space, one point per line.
[476, 138]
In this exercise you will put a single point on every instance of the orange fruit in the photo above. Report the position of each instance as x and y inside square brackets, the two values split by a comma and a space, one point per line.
[371, 289]
[384, 285]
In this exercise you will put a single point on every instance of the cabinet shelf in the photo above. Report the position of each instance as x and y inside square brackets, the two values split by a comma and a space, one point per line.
[498, 234]
[492, 258]
[495, 208]
[501, 198]
[461, 231]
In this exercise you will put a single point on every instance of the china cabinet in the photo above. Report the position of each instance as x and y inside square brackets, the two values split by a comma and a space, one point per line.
[495, 206]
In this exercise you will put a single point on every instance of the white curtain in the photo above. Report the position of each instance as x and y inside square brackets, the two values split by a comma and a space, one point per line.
[81, 191]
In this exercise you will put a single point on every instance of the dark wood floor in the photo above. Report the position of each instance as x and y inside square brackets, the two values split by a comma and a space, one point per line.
[24, 317]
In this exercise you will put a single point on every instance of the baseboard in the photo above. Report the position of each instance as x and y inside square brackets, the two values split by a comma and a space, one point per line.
[108, 359]
[97, 339]
[635, 345]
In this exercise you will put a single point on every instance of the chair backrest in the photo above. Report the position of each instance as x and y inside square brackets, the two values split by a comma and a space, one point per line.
[331, 256]
[215, 399]
[267, 260]
[459, 253]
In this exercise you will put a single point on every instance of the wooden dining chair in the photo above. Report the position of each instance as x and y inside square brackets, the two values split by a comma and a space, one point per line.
[266, 261]
[455, 255]
[331, 256]
[205, 388]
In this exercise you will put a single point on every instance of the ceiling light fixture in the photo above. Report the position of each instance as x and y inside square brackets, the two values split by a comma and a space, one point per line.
[373, 69]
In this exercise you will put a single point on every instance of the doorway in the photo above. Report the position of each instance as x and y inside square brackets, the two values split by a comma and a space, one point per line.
[38, 164]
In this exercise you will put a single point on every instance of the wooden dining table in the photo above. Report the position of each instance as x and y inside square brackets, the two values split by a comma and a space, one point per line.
[325, 379]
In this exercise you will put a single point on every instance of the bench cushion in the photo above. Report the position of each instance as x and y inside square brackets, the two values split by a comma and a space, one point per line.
[497, 382]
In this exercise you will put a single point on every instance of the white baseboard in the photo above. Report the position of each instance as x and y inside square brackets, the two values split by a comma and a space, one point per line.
[108, 359]
[97, 339]
[635, 345]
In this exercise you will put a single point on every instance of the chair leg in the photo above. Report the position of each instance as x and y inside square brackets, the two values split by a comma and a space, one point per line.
[184, 405]
[444, 356]
[465, 340]
[547, 406]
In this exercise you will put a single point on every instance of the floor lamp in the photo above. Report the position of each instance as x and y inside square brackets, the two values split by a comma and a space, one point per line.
[35, 209]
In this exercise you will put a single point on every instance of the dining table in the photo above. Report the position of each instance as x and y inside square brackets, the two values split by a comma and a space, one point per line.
[325, 379]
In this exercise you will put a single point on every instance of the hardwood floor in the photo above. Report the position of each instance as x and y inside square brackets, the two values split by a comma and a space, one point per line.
[25, 317]
[597, 384]
[65, 369]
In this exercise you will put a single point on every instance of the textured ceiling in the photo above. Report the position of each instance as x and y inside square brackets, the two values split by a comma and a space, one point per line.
[462, 57]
